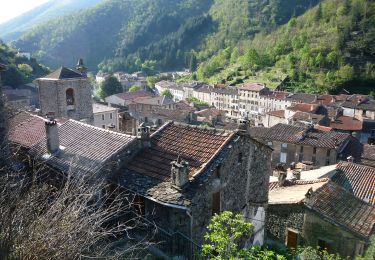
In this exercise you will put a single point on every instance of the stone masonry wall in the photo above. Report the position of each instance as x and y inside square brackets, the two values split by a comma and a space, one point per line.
[52, 95]
[243, 181]
[282, 217]
[339, 240]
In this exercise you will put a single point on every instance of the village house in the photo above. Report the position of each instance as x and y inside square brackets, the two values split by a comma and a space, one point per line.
[150, 103]
[368, 155]
[184, 174]
[303, 143]
[336, 214]
[204, 93]
[106, 116]
[127, 98]
[129, 80]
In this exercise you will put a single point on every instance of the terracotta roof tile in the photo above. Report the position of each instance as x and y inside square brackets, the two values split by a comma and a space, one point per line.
[277, 113]
[346, 123]
[357, 179]
[341, 207]
[197, 146]
[26, 129]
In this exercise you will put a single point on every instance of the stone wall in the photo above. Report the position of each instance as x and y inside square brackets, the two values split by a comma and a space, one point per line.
[284, 216]
[339, 240]
[52, 95]
[242, 181]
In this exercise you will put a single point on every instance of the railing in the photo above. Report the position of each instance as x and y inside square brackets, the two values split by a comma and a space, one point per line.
[176, 244]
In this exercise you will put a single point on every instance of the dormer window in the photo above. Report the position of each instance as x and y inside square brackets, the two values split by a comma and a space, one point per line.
[70, 97]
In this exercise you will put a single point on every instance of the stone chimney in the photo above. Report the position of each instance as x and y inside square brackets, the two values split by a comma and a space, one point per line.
[179, 173]
[243, 126]
[52, 134]
[144, 136]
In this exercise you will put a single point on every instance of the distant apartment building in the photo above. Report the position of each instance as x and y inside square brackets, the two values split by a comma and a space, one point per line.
[226, 99]
[249, 103]
[106, 117]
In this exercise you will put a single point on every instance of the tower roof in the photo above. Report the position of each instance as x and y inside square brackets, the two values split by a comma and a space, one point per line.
[64, 73]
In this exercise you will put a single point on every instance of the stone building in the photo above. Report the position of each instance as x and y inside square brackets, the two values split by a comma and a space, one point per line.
[106, 117]
[336, 214]
[127, 98]
[184, 174]
[303, 143]
[66, 93]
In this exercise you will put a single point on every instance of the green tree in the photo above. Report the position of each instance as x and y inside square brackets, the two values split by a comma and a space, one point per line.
[167, 93]
[110, 86]
[134, 88]
[225, 233]
[319, 13]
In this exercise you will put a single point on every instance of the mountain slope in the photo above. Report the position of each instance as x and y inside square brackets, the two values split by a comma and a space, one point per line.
[159, 34]
[12, 29]
[20, 69]
[330, 47]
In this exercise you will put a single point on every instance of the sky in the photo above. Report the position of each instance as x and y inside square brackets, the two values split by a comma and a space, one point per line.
[12, 8]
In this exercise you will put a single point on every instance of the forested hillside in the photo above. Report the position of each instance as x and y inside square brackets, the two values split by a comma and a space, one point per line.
[155, 34]
[20, 69]
[12, 29]
[330, 47]
[310, 45]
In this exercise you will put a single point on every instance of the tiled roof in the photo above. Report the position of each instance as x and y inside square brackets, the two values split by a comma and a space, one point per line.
[277, 113]
[210, 112]
[63, 73]
[226, 91]
[252, 87]
[357, 179]
[133, 95]
[26, 129]
[300, 135]
[303, 107]
[346, 123]
[309, 117]
[154, 101]
[279, 95]
[197, 146]
[302, 97]
[326, 99]
[84, 148]
[368, 155]
[99, 108]
[340, 207]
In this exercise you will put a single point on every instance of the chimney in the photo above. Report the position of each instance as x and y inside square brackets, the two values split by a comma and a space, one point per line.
[144, 136]
[281, 178]
[243, 125]
[52, 135]
[179, 172]
[350, 159]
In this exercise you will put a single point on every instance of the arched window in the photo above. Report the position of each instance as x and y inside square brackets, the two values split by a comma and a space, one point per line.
[69, 97]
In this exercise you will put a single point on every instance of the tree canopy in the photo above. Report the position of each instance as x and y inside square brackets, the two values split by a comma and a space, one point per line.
[110, 86]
